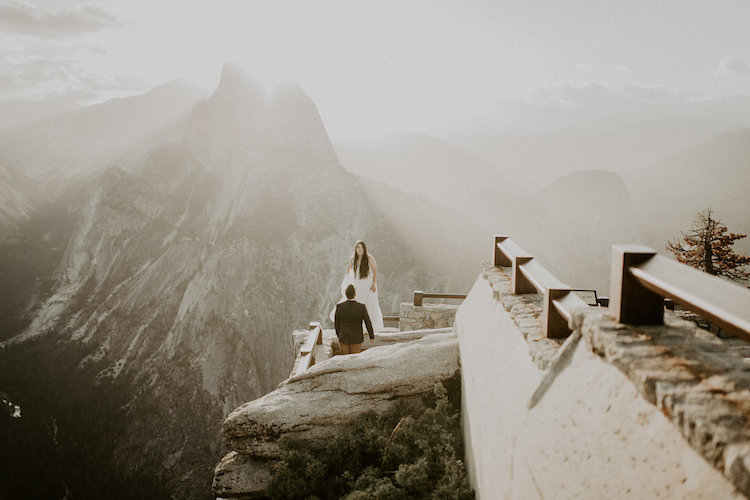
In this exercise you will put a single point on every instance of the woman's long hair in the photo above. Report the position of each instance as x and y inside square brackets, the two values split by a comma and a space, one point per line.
[364, 269]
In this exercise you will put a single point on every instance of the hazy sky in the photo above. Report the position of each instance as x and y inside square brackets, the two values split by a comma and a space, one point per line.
[378, 65]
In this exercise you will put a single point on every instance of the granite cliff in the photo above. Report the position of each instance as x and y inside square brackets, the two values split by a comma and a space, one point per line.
[168, 269]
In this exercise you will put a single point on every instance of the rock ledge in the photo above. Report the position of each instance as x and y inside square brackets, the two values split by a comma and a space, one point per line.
[314, 407]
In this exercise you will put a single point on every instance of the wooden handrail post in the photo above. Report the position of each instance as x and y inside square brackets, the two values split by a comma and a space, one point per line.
[629, 301]
[499, 257]
[418, 297]
[554, 325]
[521, 283]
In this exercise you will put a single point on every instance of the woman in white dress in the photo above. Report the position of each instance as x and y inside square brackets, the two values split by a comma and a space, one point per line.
[362, 272]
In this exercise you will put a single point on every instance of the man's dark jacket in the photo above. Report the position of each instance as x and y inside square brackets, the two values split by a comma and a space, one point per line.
[348, 322]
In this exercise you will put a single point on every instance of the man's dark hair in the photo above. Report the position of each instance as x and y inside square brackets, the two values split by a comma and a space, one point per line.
[350, 292]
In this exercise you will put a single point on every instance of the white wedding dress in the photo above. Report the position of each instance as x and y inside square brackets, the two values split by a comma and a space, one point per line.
[365, 296]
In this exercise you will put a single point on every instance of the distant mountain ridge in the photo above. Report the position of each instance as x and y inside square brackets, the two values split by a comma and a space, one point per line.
[74, 142]
[435, 168]
[672, 157]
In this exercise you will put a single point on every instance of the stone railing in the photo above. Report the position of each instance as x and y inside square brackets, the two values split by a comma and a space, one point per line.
[426, 316]
[685, 377]
[613, 411]
[417, 315]
[410, 318]
[531, 277]
[640, 281]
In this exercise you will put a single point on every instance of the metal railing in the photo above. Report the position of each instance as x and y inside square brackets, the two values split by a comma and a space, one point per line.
[307, 351]
[529, 276]
[419, 295]
[640, 282]
[641, 279]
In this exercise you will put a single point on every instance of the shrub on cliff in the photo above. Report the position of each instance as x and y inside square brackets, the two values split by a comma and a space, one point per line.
[390, 458]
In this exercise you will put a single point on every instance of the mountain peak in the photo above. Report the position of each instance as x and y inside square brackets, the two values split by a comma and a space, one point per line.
[242, 120]
[294, 121]
[234, 81]
[290, 91]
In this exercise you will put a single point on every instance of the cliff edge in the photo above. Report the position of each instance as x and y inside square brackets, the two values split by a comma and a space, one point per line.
[329, 397]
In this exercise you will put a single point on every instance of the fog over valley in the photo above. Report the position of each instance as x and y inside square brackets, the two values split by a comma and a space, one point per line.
[568, 195]
[182, 186]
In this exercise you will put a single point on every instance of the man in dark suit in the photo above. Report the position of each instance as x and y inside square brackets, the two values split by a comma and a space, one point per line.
[348, 322]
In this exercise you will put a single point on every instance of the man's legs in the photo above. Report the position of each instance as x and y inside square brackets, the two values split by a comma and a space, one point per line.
[350, 348]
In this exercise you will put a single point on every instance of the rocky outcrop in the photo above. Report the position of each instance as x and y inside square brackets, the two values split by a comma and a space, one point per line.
[240, 475]
[314, 407]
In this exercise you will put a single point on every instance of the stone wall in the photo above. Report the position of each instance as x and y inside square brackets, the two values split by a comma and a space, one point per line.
[656, 412]
[413, 317]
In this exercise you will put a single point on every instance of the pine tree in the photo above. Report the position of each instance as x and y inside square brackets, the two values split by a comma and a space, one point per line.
[708, 247]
